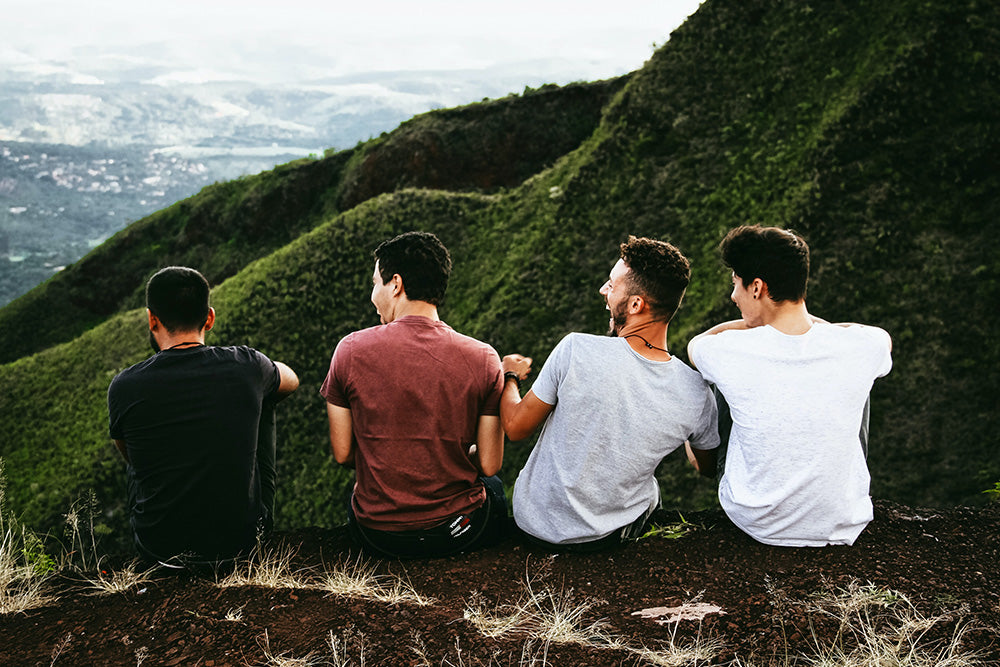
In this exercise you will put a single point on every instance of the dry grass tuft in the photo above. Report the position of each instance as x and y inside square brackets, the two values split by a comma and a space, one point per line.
[267, 568]
[879, 627]
[358, 579]
[119, 581]
[234, 615]
[550, 617]
[24, 567]
[20, 594]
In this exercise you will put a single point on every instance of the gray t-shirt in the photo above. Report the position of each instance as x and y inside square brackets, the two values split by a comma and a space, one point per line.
[617, 414]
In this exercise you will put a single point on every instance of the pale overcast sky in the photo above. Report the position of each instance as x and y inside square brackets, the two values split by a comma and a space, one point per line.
[268, 38]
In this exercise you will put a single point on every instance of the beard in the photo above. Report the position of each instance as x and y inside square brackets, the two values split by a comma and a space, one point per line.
[618, 318]
[153, 344]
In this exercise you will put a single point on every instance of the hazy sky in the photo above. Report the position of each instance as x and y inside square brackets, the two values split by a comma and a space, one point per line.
[271, 39]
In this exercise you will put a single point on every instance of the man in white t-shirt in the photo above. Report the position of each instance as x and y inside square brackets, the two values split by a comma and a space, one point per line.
[795, 472]
[611, 408]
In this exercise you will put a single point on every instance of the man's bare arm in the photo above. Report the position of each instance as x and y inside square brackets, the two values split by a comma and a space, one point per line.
[703, 460]
[341, 434]
[289, 381]
[488, 454]
[520, 417]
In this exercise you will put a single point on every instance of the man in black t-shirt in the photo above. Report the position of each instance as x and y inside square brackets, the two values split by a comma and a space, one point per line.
[196, 425]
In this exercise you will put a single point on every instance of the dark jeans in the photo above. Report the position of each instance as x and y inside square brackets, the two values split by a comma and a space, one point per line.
[481, 527]
[623, 535]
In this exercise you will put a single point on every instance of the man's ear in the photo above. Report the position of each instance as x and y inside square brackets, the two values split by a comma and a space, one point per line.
[210, 320]
[636, 304]
[153, 321]
[397, 285]
[758, 288]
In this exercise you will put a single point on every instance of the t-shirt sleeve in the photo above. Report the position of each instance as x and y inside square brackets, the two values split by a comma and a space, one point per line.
[494, 384]
[701, 354]
[882, 344]
[270, 377]
[334, 388]
[706, 434]
[546, 386]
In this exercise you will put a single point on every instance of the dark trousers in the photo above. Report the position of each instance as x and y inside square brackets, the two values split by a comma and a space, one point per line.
[623, 535]
[464, 532]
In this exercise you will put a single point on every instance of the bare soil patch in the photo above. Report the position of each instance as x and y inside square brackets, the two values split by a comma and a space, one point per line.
[928, 580]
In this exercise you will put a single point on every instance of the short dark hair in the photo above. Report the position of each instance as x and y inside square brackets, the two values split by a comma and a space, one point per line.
[178, 296]
[658, 272]
[422, 262]
[777, 256]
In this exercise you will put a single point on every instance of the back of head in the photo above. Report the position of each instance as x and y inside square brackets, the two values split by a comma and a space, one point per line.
[178, 296]
[658, 272]
[421, 260]
[778, 257]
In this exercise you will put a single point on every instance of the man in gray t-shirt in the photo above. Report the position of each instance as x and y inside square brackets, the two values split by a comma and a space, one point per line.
[612, 408]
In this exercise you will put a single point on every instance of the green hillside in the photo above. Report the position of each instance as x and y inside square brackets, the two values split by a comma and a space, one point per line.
[871, 128]
[482, 147]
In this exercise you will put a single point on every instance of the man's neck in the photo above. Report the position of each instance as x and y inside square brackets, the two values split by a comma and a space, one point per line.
[789, 317]
[181, 340]
[419, 308]
[647, 337]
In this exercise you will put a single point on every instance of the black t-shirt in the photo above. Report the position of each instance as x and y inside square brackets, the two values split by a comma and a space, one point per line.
[189, 420]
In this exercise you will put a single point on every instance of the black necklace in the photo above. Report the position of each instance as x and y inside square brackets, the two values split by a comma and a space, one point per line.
[190, 342]
[648, 344]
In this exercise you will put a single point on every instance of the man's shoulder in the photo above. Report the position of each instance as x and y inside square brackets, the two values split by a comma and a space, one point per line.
[577, 340]
[468, 341]
[239, 352]
[728, 339]
[362, 337]
[133, 372]
[853, 333]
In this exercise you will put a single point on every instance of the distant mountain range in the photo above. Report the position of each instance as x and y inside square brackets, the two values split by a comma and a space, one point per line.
[84, 153]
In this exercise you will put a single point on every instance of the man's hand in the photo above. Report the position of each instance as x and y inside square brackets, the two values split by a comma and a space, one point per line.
[515, 363]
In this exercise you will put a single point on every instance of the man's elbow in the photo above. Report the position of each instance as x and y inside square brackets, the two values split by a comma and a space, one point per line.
[345, 459]
[489, 469]
[288, 380]
[515, 432]
[512, 428]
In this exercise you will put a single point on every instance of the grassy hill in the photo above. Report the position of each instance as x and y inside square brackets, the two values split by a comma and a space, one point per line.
[871, 128]
[482, 147]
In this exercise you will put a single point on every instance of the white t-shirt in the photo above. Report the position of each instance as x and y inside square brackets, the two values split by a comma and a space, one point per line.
[795, 473]
[617, 414]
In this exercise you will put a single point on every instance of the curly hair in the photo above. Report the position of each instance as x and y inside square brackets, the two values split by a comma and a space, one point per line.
[658, 272]
[778, 257]
[421, 260]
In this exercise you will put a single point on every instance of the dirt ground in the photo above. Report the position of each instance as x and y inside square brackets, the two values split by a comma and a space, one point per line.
[923, 584]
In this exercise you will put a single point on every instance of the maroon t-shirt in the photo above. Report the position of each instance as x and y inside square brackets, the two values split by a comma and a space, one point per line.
[415, 389]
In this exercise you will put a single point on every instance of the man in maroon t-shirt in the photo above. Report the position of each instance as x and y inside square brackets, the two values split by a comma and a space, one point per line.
[414, 408]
